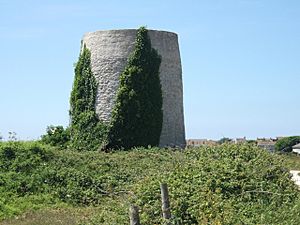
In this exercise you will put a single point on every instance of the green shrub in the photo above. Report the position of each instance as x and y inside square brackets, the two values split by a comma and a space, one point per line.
[87, 131]
[285, 144]
[19, 166]
[22, 156]
[224, 140]
[137, 114]
[56, 136]
[34, 175]
[227, 184]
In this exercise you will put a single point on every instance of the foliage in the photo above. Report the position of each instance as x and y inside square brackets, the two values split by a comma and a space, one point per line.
[224, 140]
[56, 136]
[137, 114]
[87, 131]
[33, 175]
[20, 164]
[292, 161]
[254, 142]
[83, 95]
[227, 184]
[12, 136]
[285, 144]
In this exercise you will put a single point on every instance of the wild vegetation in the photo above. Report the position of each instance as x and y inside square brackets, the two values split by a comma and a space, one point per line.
[285, 144]
[86, 130]
[227, 184]
[57, 136]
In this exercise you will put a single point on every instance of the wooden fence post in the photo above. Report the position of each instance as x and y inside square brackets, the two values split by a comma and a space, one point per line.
[134, 215]
[165, 202]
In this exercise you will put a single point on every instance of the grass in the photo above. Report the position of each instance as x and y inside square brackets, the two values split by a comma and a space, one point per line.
[292, 161]
[227, 184]
[53, 216]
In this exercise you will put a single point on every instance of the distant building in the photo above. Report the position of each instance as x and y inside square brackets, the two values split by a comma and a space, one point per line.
[240, 140]
[296, 148]
[200, 142]
[211, 143]
[266, 143]
[195, 142]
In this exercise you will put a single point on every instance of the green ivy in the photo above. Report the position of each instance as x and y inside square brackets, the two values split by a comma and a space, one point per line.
[87, 131]
[137, 115]
[83, 95]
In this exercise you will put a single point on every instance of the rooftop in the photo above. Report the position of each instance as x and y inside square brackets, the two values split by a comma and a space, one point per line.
[297, 146]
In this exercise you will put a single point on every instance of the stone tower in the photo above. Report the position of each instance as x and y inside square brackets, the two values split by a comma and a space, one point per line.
[110, 50]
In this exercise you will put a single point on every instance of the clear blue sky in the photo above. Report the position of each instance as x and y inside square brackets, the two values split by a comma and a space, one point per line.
[241, 61]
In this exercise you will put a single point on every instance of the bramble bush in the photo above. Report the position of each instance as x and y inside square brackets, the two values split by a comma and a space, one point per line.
[227, 184]
[34, 175]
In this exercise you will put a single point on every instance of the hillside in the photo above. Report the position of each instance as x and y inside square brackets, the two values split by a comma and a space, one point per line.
[228, 184]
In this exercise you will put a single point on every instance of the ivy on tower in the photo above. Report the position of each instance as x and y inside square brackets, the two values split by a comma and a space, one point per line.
[137, 115]
[86, 130]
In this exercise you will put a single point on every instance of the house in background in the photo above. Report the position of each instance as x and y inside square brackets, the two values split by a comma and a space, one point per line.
[266, 143]
[200, 142]
[296, 148]
[195, 142]
[241, 140]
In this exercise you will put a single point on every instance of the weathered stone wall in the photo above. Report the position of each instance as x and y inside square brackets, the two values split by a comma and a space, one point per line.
[109, 52]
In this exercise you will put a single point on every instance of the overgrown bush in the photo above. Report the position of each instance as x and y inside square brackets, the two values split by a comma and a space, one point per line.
[21, 166]
[34, 175]
[56, 136]
[224, 140]
[285, 144]
[137, 114]
[87, 131]
[228, 184]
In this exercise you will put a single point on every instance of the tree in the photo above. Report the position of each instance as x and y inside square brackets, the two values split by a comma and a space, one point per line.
[286, 144]
[224, 140]
[56, 136]
[137, 115]
[86, 130]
